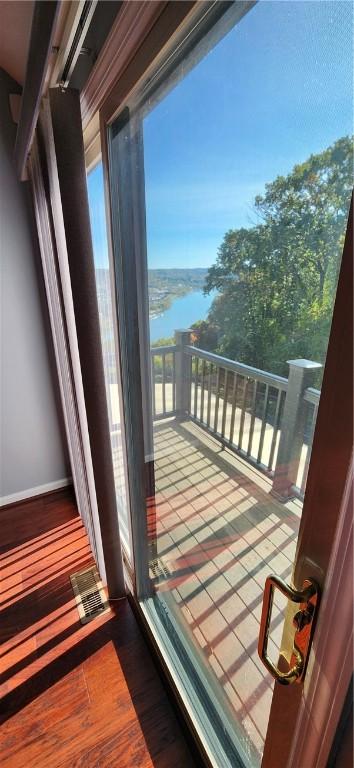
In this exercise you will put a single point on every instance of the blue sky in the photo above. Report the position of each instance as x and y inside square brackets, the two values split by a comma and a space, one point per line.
[275, 89]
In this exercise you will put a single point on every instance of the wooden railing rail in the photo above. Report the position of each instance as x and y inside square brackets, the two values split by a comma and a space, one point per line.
[312, 395]
[232, 365]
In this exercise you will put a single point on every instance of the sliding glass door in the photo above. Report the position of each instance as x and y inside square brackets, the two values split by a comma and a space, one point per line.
[105, 300]
[230, 181]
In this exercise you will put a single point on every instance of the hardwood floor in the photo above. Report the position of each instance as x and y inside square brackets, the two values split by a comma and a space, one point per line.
[72, 695]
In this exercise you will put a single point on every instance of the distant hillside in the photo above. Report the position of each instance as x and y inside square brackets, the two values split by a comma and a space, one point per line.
[195, 277]
[165, 285]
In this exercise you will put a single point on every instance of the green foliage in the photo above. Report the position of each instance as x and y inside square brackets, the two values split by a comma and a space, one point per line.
[157, 360]
[277, 280]
[205, 335]
[163, 342]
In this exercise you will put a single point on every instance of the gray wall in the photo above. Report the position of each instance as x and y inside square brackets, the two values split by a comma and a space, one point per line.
[32, 443]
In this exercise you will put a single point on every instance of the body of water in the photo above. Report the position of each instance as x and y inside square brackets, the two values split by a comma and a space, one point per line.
[181, 314]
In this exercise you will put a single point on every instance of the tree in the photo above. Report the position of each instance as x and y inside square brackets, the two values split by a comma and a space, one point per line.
[277, 279]
[204, 335]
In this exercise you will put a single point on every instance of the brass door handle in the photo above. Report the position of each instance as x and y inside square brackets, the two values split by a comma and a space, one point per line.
[304, 622]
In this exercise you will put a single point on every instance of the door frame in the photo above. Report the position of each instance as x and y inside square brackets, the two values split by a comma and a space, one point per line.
[324, 497]
[331, 657]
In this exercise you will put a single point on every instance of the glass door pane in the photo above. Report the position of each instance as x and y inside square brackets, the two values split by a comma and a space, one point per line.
[110, 364]
[235, 176]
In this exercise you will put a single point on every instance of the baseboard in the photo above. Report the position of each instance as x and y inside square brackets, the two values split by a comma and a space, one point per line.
[29, 493]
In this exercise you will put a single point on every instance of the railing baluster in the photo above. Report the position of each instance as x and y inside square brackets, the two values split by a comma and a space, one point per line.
[164, 384]
[173, 381]
[243, 411]
[164, 404]
[202, 391]
[190, 386]
[264, 422]
[209, 393]
[216, 414]
[153, 376]
[224, 410]
[253, 416]
[233, 409]
[196, 362]
[275, 429]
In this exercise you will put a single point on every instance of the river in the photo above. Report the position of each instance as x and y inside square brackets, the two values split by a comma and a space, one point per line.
[181, 314]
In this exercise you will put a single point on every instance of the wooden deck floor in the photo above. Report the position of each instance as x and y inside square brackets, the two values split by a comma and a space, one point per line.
[219, 534]
[72, 695]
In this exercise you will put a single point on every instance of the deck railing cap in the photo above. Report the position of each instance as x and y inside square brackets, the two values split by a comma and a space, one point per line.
[303, 363]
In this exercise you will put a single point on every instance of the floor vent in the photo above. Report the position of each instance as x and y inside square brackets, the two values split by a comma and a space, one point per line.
[159, 569]
[89, 594]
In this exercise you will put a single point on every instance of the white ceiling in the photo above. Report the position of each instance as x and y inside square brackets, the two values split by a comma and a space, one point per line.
[15, 29]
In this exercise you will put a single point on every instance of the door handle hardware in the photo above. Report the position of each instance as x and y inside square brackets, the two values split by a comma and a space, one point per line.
[303, 622]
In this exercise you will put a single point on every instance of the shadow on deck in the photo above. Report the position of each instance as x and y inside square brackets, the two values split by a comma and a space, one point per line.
[219, 534]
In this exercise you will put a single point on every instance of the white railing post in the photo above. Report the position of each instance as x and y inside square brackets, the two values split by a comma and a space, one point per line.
[182, 372]
[301, 374]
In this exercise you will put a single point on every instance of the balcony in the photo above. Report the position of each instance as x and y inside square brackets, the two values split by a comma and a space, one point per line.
[219, 533]
[266, 419]
[232, 446]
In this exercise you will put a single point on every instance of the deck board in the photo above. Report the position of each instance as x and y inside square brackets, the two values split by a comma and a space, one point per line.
[219, 534]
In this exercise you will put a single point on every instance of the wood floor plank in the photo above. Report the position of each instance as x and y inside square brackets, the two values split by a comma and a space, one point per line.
[72, 696]
[59, 702]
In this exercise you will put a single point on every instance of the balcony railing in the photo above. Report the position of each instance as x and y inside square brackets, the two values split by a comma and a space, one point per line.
[266, 419]
[163, 372]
